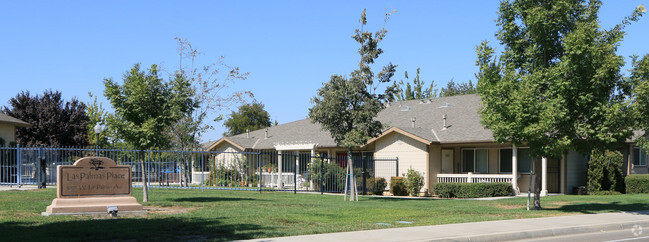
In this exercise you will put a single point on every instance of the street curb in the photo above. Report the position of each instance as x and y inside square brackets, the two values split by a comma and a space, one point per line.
[521, 235]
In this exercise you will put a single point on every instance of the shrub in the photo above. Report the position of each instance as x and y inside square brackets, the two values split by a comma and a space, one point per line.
[605, 171]
[414, 182]
[472, 190]
[398, 186]
[637, 183]
[380, 185]
[333, 176]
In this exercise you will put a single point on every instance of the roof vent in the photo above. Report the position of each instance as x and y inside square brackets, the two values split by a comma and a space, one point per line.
[429, 101]
[444, 105]
[413, 121]
[422, 101]
[248, 133]
[387, 104]
[405, 108]
[266, 133]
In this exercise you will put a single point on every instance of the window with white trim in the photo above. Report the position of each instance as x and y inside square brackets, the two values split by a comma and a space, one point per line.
[639, 157]
[475, 160]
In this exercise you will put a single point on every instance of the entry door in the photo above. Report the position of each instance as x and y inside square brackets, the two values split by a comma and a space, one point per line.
[447, 161]
[554, 179]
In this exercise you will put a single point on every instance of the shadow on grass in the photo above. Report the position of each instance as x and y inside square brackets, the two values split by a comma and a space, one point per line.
[136, 229]
[214, 199]
[590, 208]
[399, 199]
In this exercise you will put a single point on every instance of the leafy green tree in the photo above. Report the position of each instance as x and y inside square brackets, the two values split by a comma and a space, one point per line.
[248, 117]
[640, 96]
[53, 122]
[454, 89]
[347, 107]
[96, 114]
[557, 84]
[145, 107]
[416, 91]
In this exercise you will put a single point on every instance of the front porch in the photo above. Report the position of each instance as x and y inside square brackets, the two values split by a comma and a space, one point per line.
[484, 164]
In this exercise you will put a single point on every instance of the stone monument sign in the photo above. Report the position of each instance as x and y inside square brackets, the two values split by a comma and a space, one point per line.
[91, 185]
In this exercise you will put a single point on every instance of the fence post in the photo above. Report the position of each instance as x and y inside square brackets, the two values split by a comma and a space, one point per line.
[363, 173]
[19, 163]
[259, 168]
[202, 169]
[41, 169]
[397, 166]
[321, 174]
[297, 161]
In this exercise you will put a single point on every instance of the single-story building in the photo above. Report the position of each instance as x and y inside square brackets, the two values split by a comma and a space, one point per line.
[8, 126]
[441, 138]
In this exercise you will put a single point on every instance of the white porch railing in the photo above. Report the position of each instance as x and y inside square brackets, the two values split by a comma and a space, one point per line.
[471, 178]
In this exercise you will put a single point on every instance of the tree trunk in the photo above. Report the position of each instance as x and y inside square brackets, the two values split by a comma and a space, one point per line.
[353, 194]
[537, 184]
[145, 193]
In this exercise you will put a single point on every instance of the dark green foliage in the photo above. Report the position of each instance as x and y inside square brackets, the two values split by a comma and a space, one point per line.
[248, 117]
[605, 171]
[640, 96]
[414, 182]
[472, 190]
[332, 178]
[637, 183]
[2, 141]
[398, 186]
[454, 89]
[416, 91]
[380, 185]
[53, 121]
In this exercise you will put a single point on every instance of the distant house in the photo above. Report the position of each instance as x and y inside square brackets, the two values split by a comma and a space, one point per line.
[442, 138]
[8, 127]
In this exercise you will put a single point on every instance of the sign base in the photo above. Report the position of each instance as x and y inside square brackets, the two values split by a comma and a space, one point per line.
[92, 205]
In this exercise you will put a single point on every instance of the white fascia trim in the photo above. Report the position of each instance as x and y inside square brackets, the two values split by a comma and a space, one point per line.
[307, 146]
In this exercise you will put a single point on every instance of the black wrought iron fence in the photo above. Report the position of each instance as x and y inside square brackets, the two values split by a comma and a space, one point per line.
[262, 170]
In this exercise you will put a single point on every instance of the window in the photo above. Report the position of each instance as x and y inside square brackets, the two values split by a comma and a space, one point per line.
[524, 160]
[506, 160]
[475, 160]
[639, 157]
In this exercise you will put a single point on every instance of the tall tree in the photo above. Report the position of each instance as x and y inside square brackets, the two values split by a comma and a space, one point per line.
[53, 122]
[145, 106]
[248, 117]
[557, 85]
[453, 89]
[210, 92]
[640, 96]
[96, 115]
[347, 107]
[416, 91]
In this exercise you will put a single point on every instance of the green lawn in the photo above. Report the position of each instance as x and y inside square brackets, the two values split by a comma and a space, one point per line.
[233, 215]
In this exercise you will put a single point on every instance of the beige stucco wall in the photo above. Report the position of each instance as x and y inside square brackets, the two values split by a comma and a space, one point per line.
[7, 132]
[225, 158]
[411, 153]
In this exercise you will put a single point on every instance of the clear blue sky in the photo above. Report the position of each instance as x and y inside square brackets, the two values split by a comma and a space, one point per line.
[289, 47]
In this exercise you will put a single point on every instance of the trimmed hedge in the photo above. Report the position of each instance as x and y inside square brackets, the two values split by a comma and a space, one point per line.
[472, 190]
[637, 183]
[398, 186]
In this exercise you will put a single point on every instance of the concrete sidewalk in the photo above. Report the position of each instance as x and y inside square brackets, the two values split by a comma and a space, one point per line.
[518, 229]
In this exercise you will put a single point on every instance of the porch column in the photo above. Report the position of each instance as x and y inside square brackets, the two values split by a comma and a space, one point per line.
[297, 167]
[562, 172]
[544, 176]
[515, 170]
[280, 184]
[312, 159]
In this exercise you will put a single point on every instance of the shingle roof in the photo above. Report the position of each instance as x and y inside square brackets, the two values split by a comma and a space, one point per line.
[462, 120]
[4, 118]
